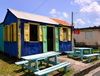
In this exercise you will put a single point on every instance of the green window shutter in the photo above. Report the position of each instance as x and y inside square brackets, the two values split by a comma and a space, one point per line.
[26, 32]
[39, 33]
[44, 29]
[69, 34]
[56, 39]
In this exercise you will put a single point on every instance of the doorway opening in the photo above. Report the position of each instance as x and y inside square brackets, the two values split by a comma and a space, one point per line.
[50, 39]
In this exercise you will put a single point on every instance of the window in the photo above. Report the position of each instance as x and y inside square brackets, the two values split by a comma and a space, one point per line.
[10, 32]
[88, 35]
[78, 36]
[32, 32]
[65, 34]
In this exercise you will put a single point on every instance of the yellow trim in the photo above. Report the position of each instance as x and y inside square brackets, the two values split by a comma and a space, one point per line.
[61, 33]
[69, 34]
[26, 32]
[8, 32]
[40, 33]
[34, 23]
[14, 32]
[19, 38]
[50, 26]
[65, 27]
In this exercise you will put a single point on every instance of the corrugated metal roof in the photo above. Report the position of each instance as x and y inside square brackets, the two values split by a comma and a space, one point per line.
[61, 22]
[32, 17]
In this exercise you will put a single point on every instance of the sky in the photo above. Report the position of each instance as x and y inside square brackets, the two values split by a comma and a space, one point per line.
[86, 12]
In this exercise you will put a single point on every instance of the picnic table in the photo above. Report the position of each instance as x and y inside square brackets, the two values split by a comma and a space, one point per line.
[28, 60]
[39, 57]
[83, 53]
[82, 50]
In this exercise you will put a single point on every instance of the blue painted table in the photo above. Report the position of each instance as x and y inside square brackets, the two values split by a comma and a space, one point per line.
[40, 57]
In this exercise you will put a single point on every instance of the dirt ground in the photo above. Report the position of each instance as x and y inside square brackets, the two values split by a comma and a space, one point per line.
[76, 64]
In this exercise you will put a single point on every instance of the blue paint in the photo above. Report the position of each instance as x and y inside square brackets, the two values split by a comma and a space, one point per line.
[31, 48]
[10, 18]
[65, 46]
[10, 47]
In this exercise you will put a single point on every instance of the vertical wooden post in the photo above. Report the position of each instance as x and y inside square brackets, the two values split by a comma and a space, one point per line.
[19, 38]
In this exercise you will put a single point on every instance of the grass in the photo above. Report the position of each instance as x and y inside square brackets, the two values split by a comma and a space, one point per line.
[8, 68]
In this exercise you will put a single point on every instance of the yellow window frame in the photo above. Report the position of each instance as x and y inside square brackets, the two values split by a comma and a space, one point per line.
[27, 39]
[13, 32]
[62, 34]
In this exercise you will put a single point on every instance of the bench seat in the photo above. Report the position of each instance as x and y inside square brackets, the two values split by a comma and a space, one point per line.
[90, 55]
[21, 62]
[53, 68]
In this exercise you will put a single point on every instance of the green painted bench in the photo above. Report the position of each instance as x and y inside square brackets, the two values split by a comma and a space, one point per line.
[45, 72]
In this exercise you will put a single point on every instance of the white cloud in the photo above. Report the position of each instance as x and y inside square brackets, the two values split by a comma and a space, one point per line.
[53, 11]
[79, 22]
[59, 15]
[82, 2]
[97, 21]
[65, 14]
[93, 8]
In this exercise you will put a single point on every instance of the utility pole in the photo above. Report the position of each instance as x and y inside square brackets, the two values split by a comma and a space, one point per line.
[72, 19]
[72, 14]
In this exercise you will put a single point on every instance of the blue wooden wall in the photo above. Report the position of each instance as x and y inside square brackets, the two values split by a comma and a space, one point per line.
[10, 47]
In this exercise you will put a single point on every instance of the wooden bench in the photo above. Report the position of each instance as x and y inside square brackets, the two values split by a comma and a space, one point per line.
[84, 56]
[91, 55]
[53, 68]
[21, 63]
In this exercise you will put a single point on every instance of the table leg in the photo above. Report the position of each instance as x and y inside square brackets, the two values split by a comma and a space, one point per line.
[29, 64]
[36, 65]
[97, 57]
[89, 59]
[47, 60]
[56, 59]
[65, 69]
[81, 58]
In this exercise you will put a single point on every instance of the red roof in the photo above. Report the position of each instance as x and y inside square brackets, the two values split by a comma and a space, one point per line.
[61, 22]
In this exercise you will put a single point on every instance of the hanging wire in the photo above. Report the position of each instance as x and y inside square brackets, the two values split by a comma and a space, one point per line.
[39, 6]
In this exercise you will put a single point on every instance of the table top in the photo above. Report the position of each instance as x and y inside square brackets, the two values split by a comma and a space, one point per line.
[42, 55]
[82, 48]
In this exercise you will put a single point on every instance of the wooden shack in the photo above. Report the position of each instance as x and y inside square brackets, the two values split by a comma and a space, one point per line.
[28, 34]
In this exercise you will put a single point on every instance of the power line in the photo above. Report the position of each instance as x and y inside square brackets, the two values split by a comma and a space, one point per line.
[39, 6]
